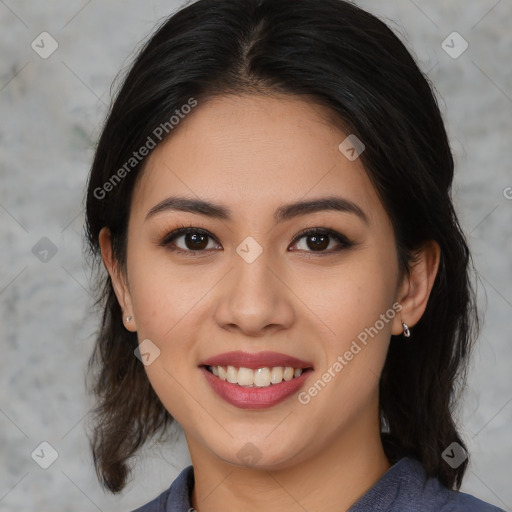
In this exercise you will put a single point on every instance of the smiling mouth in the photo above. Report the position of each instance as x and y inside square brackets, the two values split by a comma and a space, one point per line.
[257, 378]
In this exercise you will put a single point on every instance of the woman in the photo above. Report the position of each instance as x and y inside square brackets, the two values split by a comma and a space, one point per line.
[287, 278]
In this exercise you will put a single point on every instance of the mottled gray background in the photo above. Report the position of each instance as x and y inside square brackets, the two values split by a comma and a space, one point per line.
[51, 114]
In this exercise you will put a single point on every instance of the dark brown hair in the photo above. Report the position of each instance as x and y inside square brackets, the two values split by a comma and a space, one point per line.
[351, 62]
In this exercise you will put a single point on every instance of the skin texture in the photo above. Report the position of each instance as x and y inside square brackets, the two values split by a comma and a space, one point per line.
[254, 154]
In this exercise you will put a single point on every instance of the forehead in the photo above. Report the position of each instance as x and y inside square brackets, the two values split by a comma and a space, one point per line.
[255, 153]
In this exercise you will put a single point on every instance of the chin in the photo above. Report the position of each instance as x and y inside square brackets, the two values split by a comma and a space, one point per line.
[259, 454]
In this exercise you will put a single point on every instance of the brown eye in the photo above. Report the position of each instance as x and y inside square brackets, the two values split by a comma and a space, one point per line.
[194, 239]
[318, 240]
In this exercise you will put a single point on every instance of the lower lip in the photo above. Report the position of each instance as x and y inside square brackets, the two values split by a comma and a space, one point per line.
[254, 398]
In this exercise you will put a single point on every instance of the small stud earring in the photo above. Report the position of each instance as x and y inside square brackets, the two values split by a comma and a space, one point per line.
[128, 318]
[407, 332]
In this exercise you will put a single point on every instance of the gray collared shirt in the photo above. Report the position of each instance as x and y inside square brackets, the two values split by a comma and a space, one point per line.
[403, 488]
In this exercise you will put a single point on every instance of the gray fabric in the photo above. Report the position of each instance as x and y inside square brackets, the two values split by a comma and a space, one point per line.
[403, 488]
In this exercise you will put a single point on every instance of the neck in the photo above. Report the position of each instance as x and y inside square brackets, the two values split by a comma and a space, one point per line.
[331, 481]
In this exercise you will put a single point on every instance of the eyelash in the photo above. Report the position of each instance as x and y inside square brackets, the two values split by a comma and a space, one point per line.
[183, 230]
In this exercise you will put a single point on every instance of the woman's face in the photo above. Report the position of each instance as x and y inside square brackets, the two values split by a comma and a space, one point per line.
[250, 282]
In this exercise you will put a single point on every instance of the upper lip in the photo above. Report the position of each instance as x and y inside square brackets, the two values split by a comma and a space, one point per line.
[255, 360]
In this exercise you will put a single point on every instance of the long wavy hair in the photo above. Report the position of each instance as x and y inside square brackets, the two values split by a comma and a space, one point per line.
[335, 54]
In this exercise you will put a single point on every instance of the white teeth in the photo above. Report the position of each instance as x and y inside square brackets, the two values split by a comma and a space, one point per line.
[222, 373]
[232, 375]
[261, 377]
[288, 373]
[277, 375]
[245, 377]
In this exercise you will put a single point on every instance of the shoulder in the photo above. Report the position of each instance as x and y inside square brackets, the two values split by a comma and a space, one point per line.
[174, 499]
[405, 487]
[159, 504]
[434, 494]
[461, 502]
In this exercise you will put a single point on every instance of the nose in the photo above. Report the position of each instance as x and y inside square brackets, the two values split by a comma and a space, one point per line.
[255, 298]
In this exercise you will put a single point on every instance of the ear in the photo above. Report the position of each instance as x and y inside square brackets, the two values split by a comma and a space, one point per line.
[119, 280]
[415, 289]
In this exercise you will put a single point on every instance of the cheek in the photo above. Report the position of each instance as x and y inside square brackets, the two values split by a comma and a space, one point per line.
[163, 294]
[359, 311]
[358, 294]
[166, 308]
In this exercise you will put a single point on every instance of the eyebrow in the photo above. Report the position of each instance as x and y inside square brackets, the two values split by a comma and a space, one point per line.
[283, 213]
